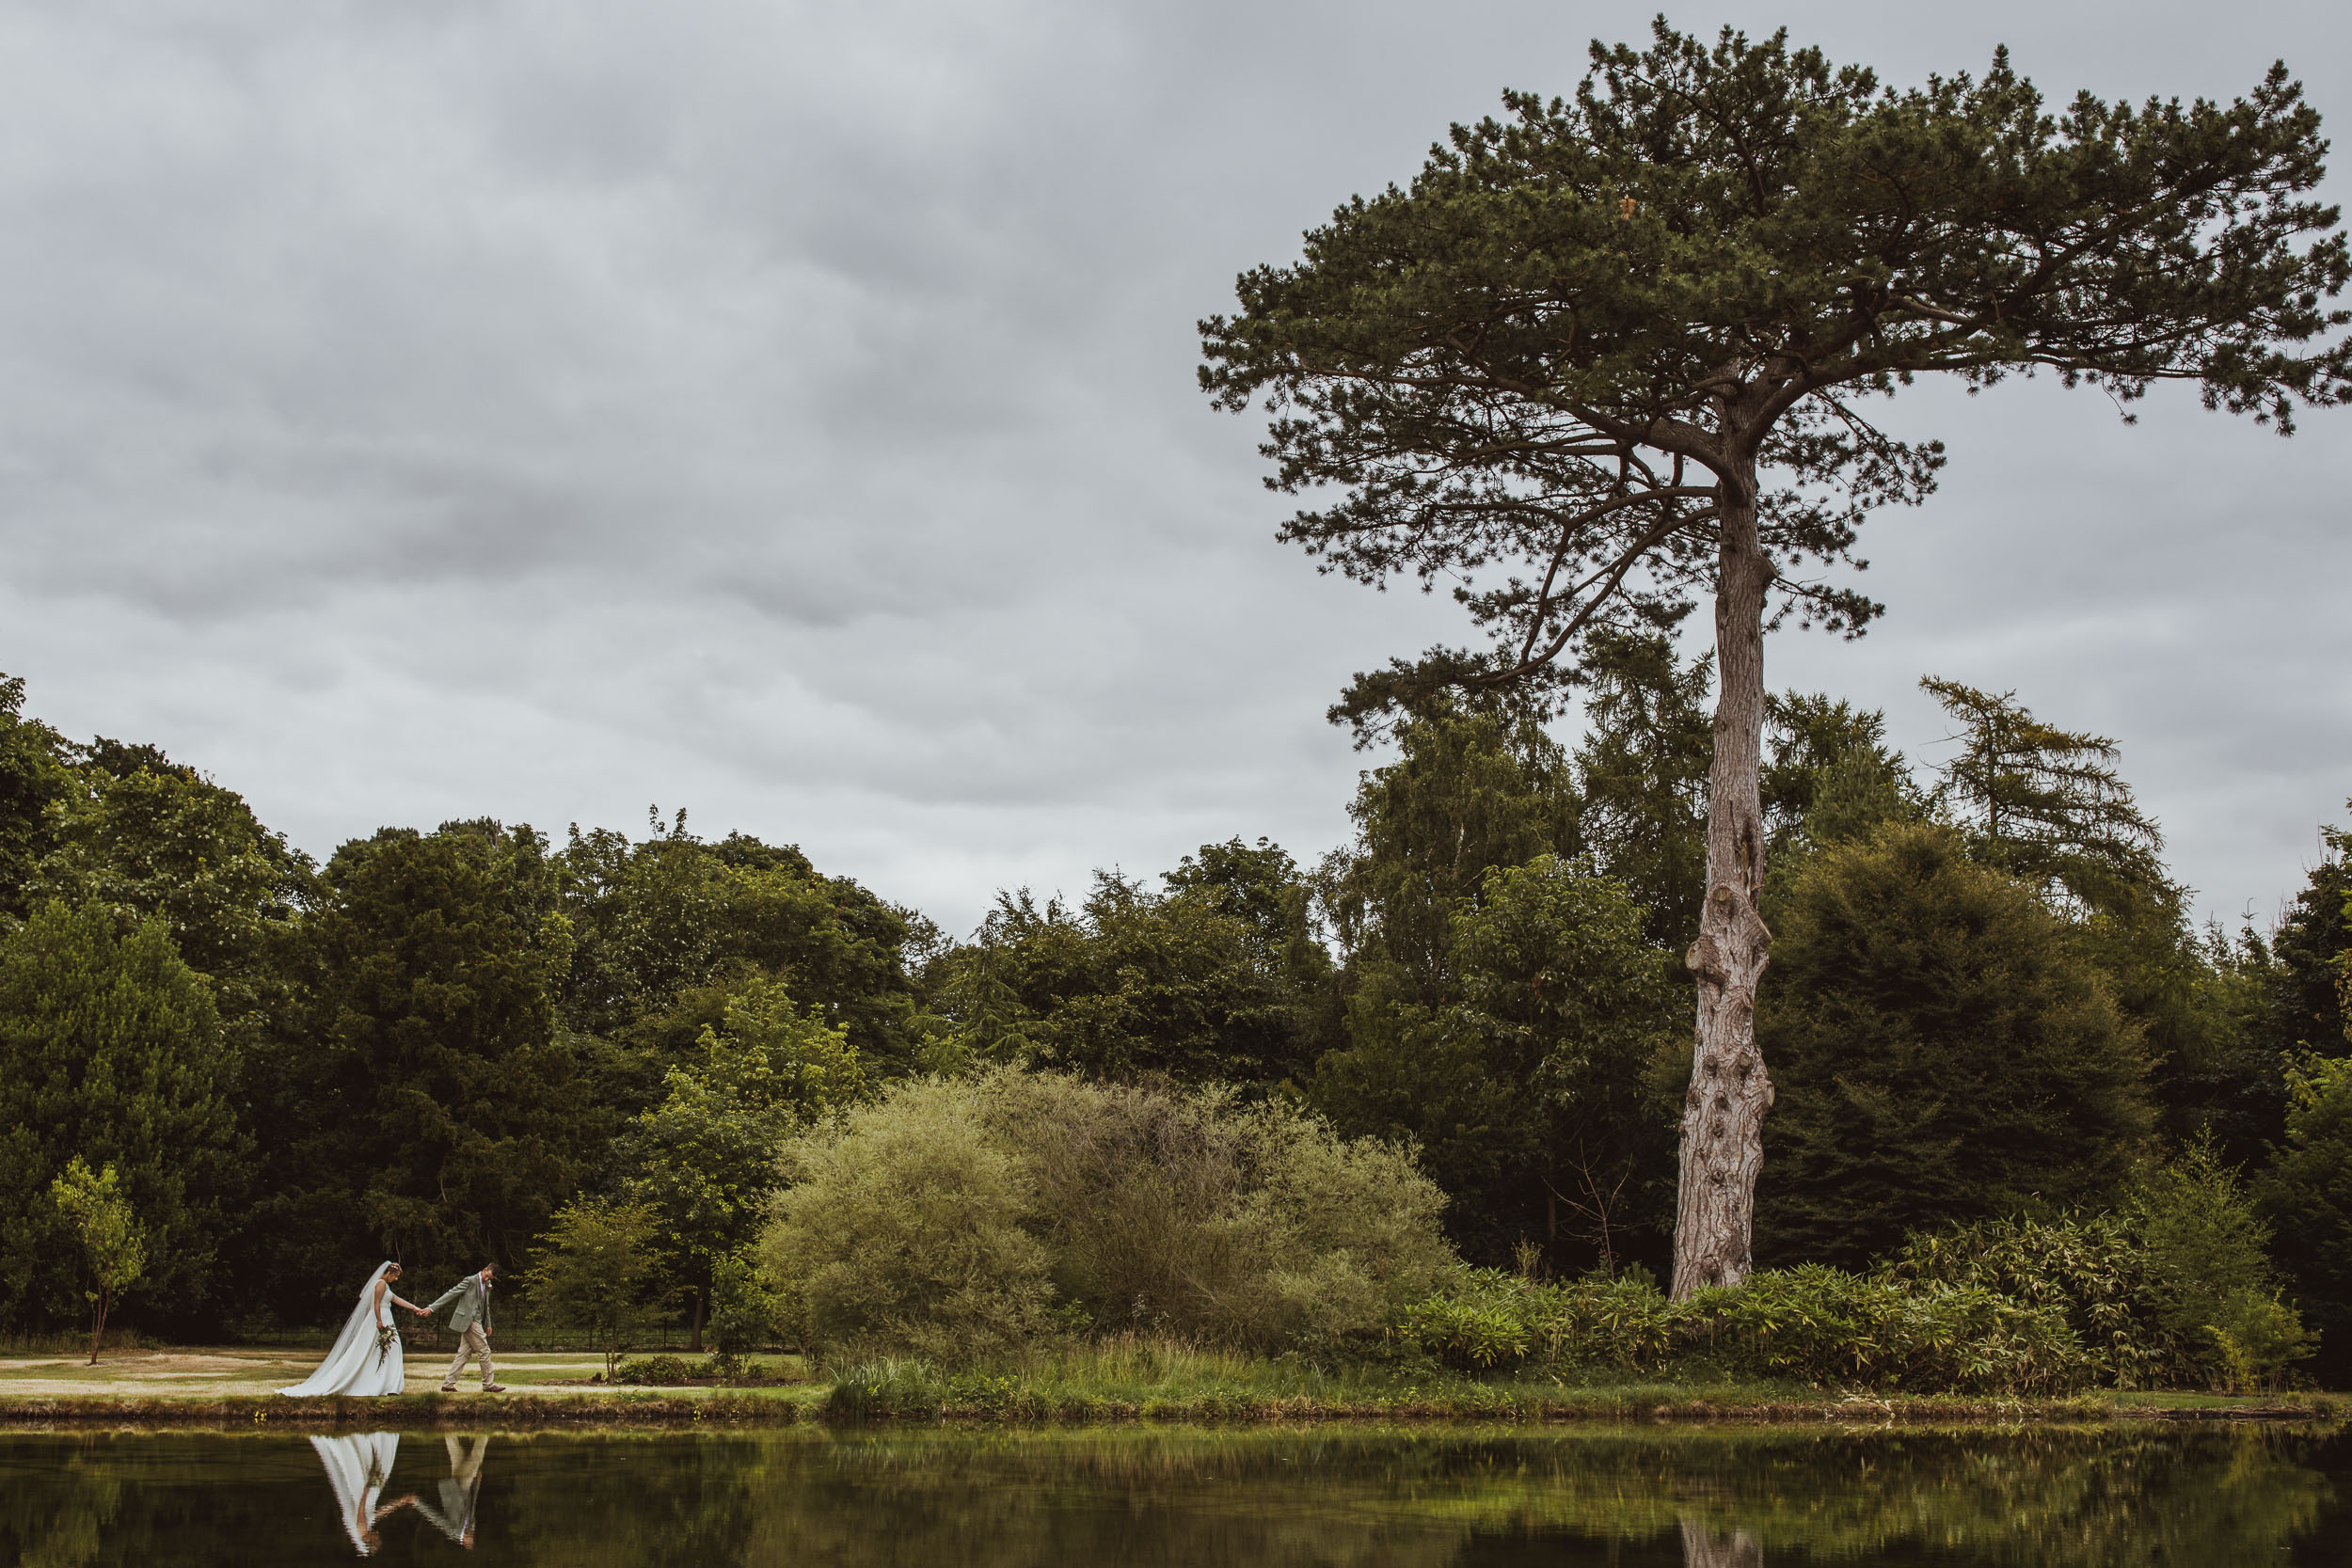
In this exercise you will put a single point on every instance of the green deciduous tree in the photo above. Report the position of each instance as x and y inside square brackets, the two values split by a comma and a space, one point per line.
[669, 927]
[33, 776]
[705, 1158]
[437, 1114]
[1641, 776]
[1569, 993]
[1473, 787]
[1528, 1088]
[111, 1050]
[143, 836]
[1218, 978]
[1612, 352]
[106, 1232]
[598, 1271]
[1945, 1052]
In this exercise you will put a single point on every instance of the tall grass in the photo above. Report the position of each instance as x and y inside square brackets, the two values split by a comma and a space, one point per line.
[1159, 1376]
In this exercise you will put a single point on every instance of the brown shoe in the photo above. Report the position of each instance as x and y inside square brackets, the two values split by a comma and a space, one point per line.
[494, 1388]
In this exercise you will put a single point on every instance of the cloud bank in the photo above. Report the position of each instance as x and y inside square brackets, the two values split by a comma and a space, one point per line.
[786, 411]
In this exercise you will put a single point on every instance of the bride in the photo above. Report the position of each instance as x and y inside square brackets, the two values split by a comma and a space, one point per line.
[357, 1468]
[366, 1357]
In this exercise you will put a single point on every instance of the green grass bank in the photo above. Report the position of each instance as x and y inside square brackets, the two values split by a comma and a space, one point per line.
[233, 1387]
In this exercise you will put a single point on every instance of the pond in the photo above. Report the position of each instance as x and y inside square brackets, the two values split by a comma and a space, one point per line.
[2182, 1496]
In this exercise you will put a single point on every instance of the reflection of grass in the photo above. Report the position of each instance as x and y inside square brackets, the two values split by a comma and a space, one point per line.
[2052, 1494]
[2168, 1399]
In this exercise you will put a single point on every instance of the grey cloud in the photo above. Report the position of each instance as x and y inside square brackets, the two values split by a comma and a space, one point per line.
[787, 411]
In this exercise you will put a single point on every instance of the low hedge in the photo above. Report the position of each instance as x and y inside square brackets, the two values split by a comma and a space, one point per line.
[1813, 1325]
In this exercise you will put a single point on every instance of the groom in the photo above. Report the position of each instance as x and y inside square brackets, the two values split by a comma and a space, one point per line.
[471, 1322]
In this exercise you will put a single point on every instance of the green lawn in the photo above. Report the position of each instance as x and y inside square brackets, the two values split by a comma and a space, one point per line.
[215, 1372]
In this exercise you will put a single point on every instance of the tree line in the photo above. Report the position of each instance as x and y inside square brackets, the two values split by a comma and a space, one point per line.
[1988, 1004]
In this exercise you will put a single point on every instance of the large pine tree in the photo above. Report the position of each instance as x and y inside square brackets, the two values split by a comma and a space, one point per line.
[1614, 351]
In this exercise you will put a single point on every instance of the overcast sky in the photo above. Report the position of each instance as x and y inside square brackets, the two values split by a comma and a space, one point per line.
[787, 411]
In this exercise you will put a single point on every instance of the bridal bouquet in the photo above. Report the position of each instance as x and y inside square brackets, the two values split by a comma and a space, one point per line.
[385, 1340]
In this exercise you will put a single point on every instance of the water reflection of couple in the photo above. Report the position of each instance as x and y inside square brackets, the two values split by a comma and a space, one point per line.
[358, 1468]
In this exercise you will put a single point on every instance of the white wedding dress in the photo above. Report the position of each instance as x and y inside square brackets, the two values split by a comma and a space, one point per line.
[357, 1468]
[362, 1361]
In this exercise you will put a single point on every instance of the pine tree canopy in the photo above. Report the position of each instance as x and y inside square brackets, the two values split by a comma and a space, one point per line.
[1528, 372]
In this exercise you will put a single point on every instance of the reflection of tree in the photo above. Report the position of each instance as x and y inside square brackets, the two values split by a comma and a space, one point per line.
[2092, 1497]
[68, 1500]
[60, 1520]
[650, 1500]
[1703, 1548]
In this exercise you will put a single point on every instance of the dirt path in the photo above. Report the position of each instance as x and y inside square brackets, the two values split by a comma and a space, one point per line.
[212, 1373]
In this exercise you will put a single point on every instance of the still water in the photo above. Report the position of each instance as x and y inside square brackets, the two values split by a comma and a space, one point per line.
[2182, 1498]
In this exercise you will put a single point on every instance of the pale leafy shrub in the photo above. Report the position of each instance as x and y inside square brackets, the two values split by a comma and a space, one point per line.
[1135, 1193]
[1822, 1326]
[1816, 1325]
[900, 1229]
[949, 1219]
[2086, 1266]
[1485, 1318]
[1185, 1213]
[1350, 1226]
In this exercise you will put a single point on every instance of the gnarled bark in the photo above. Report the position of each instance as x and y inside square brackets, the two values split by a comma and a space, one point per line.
[1722, 1115]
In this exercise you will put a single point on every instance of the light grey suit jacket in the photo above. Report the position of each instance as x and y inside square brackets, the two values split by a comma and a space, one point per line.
[472, 1296]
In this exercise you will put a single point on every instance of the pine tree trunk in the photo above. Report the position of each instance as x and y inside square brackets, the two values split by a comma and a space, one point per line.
[1722, 1116]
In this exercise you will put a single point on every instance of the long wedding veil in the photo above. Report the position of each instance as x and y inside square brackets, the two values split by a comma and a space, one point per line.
[352, 1345]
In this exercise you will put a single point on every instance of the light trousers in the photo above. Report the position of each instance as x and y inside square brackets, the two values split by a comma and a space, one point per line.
[474, 1343]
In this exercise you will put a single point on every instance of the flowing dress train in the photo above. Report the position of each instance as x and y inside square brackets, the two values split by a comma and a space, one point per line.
[367, 1356]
